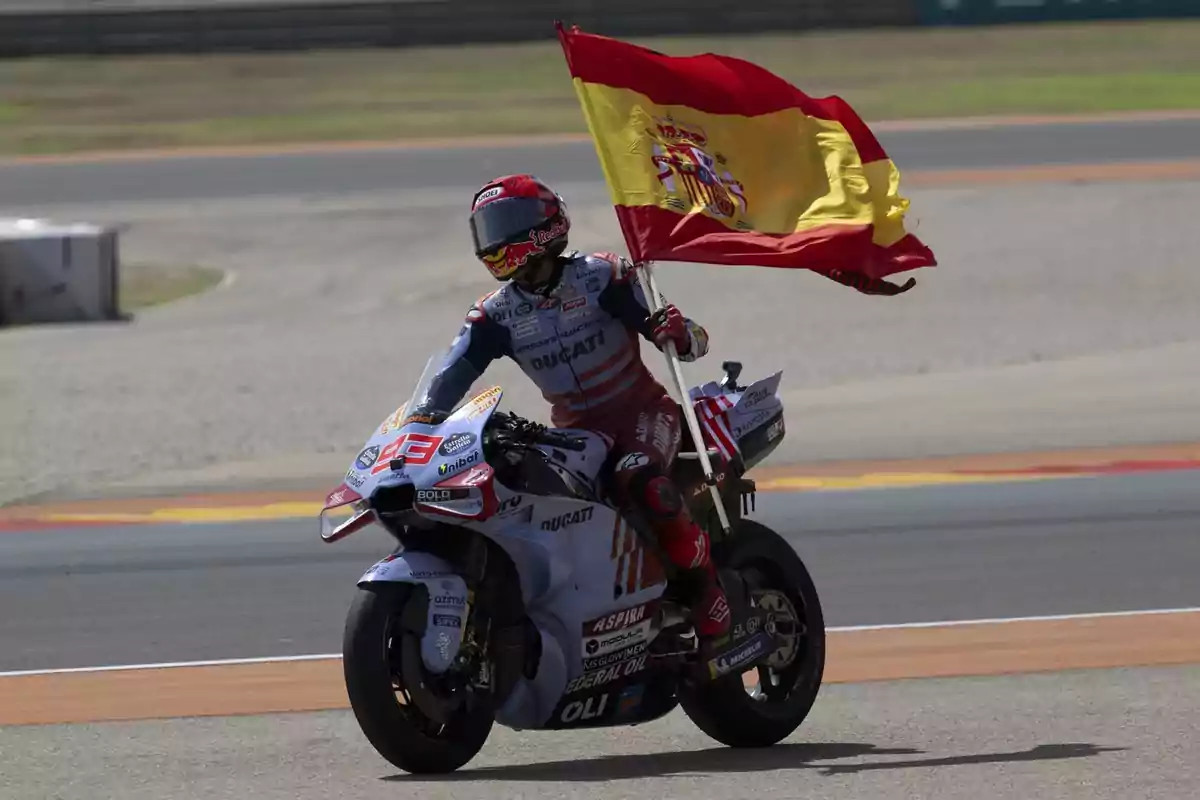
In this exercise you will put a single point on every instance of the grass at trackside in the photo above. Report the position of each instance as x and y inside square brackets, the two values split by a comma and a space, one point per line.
[77, 104]
[141, 286]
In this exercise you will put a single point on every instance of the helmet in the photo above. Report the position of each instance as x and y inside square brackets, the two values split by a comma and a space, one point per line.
[516, 221]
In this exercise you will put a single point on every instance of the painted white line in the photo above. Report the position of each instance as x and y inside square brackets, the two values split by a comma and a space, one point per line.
[224, 662]
[957, 623]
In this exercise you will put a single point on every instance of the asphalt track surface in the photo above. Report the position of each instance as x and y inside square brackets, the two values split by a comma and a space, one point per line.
[385, 169]
[1092, 544]
[1109, 735]
[153, 594]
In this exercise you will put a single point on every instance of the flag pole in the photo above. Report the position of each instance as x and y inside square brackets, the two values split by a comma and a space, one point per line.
[689, 413]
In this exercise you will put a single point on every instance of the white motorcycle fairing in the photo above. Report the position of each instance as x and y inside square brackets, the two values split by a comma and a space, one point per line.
[449, 601]
[587, 582]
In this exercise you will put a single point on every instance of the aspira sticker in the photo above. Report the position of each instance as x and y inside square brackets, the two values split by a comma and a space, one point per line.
[617, 619]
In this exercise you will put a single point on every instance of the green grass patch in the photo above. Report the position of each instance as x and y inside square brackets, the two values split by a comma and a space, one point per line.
[141, 286]
[78, 104]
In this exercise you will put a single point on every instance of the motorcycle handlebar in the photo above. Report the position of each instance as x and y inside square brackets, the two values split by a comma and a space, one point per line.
[523, 429]
[561, 440]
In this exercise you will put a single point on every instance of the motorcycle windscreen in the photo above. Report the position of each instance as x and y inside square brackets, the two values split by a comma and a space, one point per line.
[420, 392]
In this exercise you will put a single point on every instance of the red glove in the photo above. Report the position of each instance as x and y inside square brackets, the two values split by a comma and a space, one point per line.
[668, 326]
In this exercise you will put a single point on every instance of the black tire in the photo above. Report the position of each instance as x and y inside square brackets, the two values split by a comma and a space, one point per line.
[722, 708]
[400, 732]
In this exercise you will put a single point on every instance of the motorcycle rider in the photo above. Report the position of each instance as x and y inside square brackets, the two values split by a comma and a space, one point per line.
[571, 322]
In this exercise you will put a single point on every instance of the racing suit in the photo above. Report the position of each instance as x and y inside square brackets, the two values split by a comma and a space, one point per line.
[579, 345]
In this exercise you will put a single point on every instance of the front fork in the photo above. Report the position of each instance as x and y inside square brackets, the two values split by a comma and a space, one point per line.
[456, 645]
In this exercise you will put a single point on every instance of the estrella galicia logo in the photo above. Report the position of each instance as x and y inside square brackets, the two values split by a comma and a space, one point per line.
[367, 458]
[456, 444]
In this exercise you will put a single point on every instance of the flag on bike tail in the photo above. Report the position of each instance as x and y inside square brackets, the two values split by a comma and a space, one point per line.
[715, 160]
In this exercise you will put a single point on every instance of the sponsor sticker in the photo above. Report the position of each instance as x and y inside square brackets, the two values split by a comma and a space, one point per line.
[457, 443]
[746, 425]
[617, 619]
[743, 655]
[488, 194]
[608, 642]
[630, 698]
[447, 621]
[570, 518]
[509, 504]
[753, 398]
[440, 495]
[581, 710]
[612, 658]
[523, 329]
[606, 675]
[452, 467]
[367, 458]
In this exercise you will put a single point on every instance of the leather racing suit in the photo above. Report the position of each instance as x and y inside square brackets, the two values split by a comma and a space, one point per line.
[579, 344]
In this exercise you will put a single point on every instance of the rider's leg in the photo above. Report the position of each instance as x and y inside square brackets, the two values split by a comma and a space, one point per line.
[641, 481]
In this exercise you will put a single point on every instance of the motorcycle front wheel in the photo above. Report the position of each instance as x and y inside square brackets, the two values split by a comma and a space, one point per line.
[735, 712]
[373, 649]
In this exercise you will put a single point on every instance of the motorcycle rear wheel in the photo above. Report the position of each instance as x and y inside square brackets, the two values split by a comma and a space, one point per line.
[393, 724]
[723, 708]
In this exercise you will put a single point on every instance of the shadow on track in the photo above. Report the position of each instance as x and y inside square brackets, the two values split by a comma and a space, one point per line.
[1041, 752]
[728, 760]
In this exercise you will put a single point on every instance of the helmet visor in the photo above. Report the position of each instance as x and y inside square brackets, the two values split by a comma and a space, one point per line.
[506, 220]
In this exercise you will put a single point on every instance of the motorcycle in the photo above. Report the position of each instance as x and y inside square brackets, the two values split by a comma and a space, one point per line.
[518, 594]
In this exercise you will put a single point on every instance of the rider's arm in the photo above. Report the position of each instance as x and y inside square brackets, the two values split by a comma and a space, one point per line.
[480, 342]
[625, 299]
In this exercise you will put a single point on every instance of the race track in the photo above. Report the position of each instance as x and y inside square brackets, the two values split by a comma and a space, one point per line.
[1109, 735]
[1069, 546]
[152, 594]
[1063, 315]
[384, 169]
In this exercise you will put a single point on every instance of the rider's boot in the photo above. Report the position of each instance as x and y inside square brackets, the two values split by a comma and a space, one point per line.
[686, 545]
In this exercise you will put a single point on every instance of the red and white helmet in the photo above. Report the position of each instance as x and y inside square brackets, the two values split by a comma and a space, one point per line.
[517, 219]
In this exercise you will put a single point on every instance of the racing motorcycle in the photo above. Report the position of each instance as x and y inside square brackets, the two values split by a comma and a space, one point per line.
[518, 594]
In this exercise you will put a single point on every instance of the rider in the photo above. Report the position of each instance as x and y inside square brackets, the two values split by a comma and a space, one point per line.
[571, 322]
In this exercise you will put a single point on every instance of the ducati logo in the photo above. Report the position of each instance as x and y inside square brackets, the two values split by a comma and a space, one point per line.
[720, 611]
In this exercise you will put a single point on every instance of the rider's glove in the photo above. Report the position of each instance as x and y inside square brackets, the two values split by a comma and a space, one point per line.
[668, 326]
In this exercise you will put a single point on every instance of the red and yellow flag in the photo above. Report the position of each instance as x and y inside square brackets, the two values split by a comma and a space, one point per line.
[713, 159]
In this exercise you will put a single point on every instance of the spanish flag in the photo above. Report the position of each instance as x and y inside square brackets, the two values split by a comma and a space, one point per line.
[715, 160]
